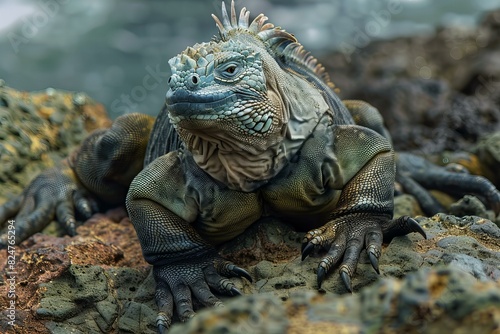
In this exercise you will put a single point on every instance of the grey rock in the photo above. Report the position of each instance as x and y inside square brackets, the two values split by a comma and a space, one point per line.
[470, 206]
[387, 306]
[57, 308]
[406, 205]
[262, 313]
[472, 266]
[137, 318]
[487, 228]
[478, 225]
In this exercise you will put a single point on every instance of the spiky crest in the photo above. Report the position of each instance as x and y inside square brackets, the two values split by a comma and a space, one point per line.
[283, 44]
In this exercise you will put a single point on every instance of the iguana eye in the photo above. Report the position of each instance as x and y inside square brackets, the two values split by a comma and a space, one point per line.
[229, 72]
[231, 69]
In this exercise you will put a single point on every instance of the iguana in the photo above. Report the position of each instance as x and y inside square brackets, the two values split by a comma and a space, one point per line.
[252, 127]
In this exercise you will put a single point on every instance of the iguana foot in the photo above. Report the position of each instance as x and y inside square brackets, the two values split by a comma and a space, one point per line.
[54, 193]
[416, 175]
[177, 283]
[345, 237]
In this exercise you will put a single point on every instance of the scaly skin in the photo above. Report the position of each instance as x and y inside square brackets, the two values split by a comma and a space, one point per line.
[251, 128]
[263, 134]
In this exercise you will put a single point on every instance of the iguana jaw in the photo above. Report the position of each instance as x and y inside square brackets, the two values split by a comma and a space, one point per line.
[245, 109]
[183, 105]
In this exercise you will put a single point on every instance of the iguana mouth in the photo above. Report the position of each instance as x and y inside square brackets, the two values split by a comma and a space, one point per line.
[186, 104]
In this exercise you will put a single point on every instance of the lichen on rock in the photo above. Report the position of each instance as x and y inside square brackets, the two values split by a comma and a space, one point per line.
[39, 129]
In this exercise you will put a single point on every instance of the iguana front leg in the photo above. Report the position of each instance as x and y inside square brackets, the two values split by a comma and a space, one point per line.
[184, 264]
[363, 217]
[416, 175]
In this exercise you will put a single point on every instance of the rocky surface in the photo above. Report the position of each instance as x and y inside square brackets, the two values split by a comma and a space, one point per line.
[39, 129]
[82, 284]
[488, 151]
[97, 281]
[427, 301]
[436, 92]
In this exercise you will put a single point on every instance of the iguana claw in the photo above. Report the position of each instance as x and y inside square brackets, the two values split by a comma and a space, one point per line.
[236, 271]
[321, 276]
[163, 323]
[402, 226]
[307, 249]
[346, 278]
[235, 291]
[374, 261]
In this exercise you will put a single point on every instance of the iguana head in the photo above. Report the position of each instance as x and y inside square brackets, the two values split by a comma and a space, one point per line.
[219, 90]
[232, 95]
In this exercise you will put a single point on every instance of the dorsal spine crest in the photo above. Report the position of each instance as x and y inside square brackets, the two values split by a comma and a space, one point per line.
[283, 44]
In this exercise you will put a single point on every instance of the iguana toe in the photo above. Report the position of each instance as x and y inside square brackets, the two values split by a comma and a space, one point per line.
[229, 269]
[373, 244]
[318, 238]
[65, 212]
[402, 226]
[350, 261]
[332, 257]
[84, 204]
[320, 276]
[10, 208]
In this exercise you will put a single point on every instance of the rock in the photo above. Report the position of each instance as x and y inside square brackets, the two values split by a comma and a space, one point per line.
[400, 258]
[453, 75]
[488, 152]
[261, 313]
[472, 266]
[270, 240]
[470, 206]
[84, 283]
[431, 301]
[406, 205]
[39, 129]
[475, 224]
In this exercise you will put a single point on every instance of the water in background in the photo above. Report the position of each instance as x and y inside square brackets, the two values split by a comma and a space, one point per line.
[117, 51]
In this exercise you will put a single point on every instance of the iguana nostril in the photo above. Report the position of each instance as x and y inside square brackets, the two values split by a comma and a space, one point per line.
[172, 80]
[192, 81]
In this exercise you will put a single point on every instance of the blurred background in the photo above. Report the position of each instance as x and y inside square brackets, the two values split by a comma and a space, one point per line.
[118, 51]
